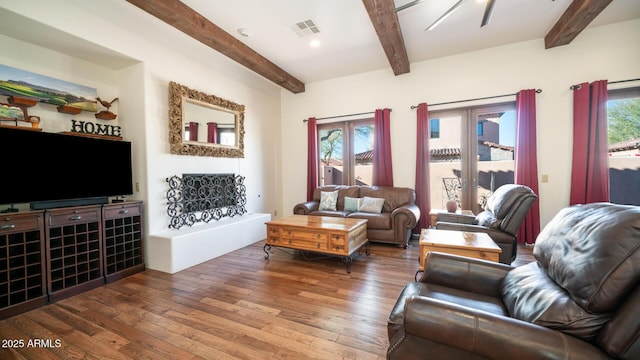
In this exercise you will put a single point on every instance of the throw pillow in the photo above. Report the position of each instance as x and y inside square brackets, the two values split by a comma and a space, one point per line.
[372, 205]
[328, 200]
[352, 204]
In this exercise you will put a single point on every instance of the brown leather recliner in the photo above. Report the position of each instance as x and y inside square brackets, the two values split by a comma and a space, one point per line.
[505, 210]
[579, 300]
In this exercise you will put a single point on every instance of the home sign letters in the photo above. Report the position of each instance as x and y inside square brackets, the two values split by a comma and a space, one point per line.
[87, 127]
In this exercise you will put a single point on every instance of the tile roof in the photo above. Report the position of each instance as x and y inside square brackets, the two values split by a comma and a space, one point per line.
[444, 152]
[453, 152]
[365, 155]
[625, 145]
[497, 146]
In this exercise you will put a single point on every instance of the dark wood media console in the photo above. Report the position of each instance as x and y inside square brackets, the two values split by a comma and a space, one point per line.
[48, 255]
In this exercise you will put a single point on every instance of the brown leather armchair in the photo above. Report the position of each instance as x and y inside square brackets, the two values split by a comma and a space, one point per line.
[503, 214]
[579, 300]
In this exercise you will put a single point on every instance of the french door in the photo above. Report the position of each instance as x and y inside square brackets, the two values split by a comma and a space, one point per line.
[472, 154]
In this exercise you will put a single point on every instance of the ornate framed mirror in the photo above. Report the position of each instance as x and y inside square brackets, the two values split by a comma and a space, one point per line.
[204, 125]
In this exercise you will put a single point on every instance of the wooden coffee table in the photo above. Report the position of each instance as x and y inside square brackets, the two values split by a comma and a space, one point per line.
[319, 234]
[471, 244]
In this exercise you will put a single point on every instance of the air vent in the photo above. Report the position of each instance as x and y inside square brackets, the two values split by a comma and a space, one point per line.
[305, 28]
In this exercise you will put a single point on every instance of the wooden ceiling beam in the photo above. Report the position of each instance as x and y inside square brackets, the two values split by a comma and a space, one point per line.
[190, 22]
[578, 15]
[385, 21]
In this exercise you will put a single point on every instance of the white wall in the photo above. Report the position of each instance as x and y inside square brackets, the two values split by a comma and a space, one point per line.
[159, 54]
[608, 52]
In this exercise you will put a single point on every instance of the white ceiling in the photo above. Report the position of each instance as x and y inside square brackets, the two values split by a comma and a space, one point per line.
[349, 43]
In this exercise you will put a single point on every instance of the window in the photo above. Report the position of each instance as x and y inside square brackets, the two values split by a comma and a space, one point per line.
[434, 127]
[346, 152]
[623, 112]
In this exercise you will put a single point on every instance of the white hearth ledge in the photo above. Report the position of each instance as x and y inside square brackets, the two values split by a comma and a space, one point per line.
[177, 249]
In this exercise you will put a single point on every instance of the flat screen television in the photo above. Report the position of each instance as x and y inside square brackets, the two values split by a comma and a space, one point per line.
[54, 170]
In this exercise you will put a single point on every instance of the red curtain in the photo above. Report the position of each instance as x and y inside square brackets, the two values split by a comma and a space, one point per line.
[382, 168]
[526, 172]
[423, 198]
[590, 168]
[193, 131]
[212, 132]
[312, 157]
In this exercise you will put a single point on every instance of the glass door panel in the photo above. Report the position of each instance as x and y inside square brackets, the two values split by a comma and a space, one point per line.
[445, 167]
[623, 112]
[495, 138]
[363, 136]
[331, 155]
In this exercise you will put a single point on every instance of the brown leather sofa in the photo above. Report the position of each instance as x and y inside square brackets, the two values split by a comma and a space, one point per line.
[393, 225]
[579, 300]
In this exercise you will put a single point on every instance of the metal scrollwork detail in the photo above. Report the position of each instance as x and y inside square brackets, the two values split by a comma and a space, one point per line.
[195, 198]
[452, 187]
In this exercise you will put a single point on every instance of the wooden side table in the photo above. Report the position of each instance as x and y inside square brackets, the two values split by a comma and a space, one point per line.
[471, 244]
[433, 215]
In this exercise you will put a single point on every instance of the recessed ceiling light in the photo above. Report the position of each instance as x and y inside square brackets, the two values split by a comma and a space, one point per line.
[314, 43]
[245, 32]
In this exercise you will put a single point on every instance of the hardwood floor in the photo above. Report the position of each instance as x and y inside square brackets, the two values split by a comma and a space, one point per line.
[237, 306]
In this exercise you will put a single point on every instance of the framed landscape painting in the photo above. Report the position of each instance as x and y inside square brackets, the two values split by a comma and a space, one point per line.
[21, 83]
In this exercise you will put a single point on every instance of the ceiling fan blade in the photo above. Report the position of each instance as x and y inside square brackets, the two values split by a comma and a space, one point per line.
[445, 15]
[408, 5]
[488, 11]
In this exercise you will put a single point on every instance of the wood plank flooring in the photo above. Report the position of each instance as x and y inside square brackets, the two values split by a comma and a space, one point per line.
[237, 306]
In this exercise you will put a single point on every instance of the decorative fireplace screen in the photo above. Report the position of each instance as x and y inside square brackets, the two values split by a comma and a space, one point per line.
[195, 198]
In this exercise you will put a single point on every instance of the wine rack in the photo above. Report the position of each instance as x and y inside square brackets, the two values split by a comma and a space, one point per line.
[49, 255]
[122, 240]
[22, 265]
[74, 250]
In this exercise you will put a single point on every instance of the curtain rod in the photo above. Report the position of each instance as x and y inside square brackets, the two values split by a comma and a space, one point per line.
[339, 116]
[482, 98]
[578, 86]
